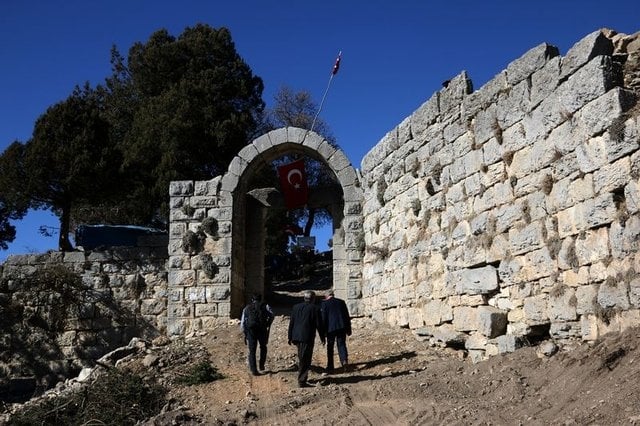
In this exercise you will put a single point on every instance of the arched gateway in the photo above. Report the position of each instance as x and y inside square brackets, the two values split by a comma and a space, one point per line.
[217, 232]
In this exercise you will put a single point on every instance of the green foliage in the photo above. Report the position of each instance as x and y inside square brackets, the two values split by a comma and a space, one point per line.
[203, 372]
[116, 398]
[7, 230]
[69, 160]
[13, 204]
[182, 107]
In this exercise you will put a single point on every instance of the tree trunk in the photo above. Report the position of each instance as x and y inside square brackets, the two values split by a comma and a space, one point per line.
[309, 224]
[65, 218]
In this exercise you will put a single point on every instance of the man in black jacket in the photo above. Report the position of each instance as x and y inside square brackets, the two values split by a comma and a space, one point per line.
[337, 321]
[255, 323]
[305, 321]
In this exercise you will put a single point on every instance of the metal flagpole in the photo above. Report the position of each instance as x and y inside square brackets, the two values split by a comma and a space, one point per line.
[334, 71]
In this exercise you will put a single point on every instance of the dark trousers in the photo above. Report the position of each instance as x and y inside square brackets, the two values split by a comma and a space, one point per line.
[339, 337]
[255, 338]
[305, 353]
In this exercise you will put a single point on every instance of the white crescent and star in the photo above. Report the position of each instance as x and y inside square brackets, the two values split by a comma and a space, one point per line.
[291, 174]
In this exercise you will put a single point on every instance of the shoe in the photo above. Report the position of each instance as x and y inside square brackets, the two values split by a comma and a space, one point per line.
[255, 373]
[305, 385]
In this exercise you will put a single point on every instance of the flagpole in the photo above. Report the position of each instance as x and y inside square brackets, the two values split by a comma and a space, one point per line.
[333, 72]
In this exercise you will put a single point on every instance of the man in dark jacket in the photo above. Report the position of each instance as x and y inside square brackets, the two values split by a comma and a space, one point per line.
[255, 323]
[305, 321]
[337, 321]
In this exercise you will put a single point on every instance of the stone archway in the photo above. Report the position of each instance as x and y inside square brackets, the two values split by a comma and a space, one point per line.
[214, 263]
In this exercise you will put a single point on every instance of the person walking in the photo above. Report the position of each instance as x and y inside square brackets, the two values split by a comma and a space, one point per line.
[305, 321]
[255, 323]
[337, 321]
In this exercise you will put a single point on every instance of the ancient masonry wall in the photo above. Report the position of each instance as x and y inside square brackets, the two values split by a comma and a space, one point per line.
[120, 293]
[511, 213]
[199, 262]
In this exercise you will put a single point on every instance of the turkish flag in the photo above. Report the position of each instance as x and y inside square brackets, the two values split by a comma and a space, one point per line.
[293, 182]
[336, 66]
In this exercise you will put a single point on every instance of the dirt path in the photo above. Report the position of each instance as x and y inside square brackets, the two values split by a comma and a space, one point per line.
[397, 380]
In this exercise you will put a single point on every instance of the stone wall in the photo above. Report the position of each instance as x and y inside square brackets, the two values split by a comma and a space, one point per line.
[511, 213]
[61, 311]
[199, 256]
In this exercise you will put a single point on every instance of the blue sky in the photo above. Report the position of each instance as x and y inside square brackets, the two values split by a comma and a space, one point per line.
[396, 54]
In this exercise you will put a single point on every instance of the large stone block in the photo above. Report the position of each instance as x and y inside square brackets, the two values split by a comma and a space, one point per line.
[535, 310]
[594, 44]
[508, 343]
[529, 238]
[562, 306]
[436, 312]
[532, 61]
[491, 321]
[545, 80]
[481, 280]
[451, 96]
[586, 297]
[614, 294]
[612, 176]
[465, 318]
[592, 246]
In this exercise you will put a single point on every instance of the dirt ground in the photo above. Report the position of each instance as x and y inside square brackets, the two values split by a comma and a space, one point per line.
[396, 380]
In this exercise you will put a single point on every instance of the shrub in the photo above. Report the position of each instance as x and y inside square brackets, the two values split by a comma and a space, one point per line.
[192, 242]
[381, 187]
[116, 398]
[203, 372]
[497, 131]
[507, 157]
[547, 184]
[379, 251]
[557, 291]
[188, 210]
[416, 206]
[209, 267]
[210, 226]
[436, 173]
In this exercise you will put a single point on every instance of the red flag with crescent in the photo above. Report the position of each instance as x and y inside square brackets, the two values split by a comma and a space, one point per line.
[336, 66]
[293, 182]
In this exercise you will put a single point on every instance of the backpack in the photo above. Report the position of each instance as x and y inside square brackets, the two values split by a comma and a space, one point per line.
[257, 316]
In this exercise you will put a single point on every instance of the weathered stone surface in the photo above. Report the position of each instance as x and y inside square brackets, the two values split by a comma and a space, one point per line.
[436, 312]
[614, 294]
[562, 306]
[535, 310]
[530, 62]
[475, 280]
[594, 44]
[492, 322]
